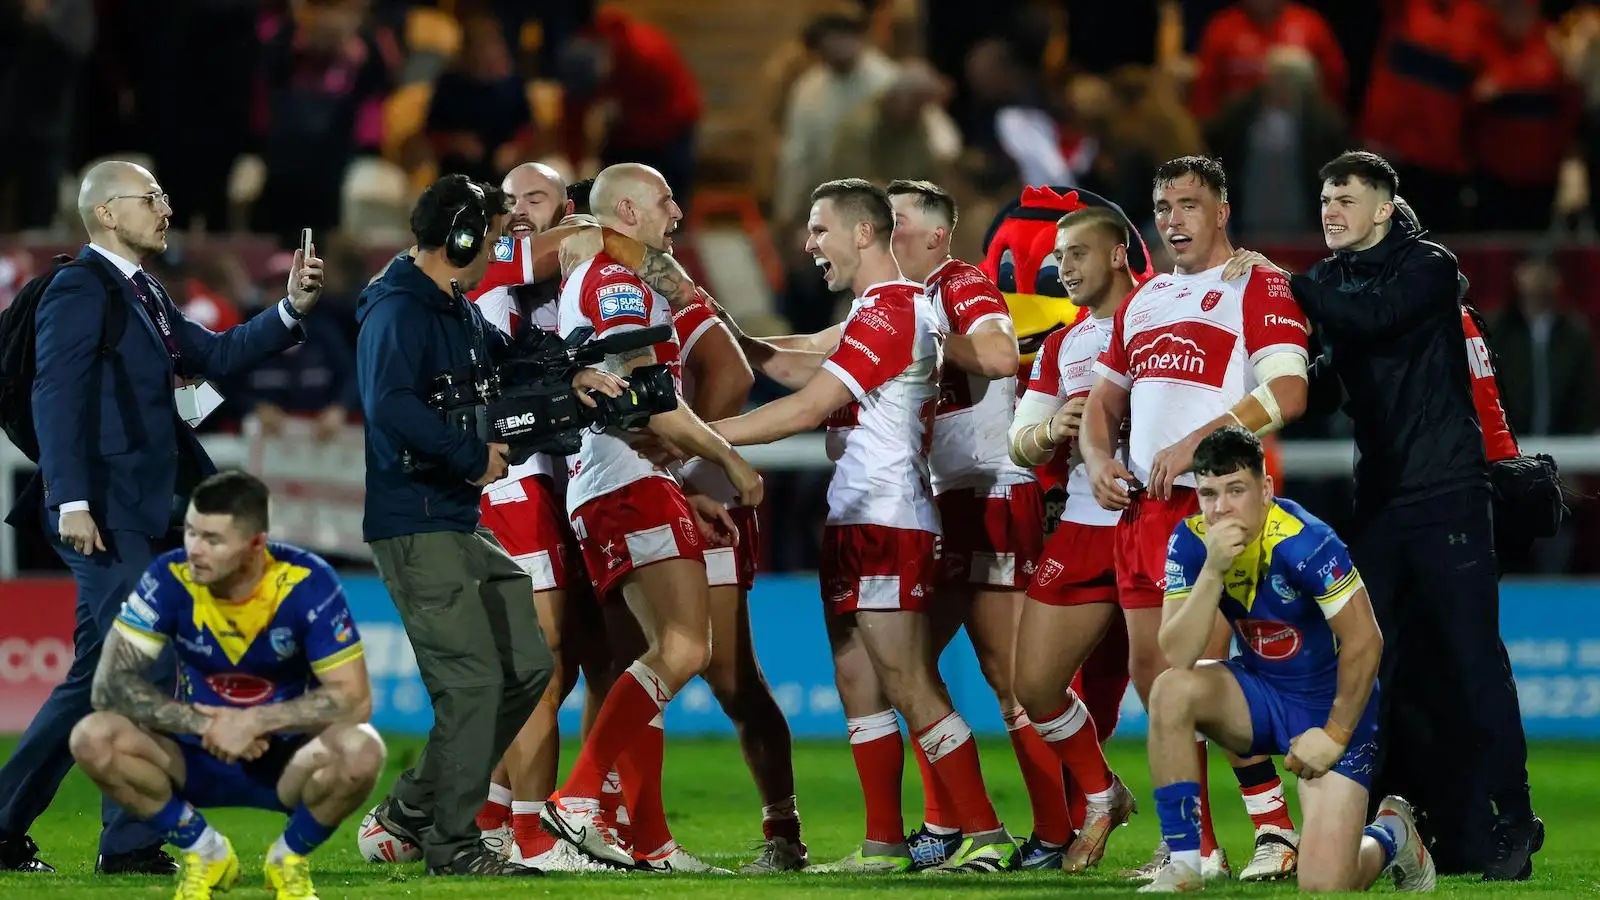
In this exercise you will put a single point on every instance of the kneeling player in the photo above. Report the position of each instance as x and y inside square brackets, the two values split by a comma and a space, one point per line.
[1304, 684]
[275, 701]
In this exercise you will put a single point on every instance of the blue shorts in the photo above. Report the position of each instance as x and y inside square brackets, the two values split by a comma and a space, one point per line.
[210, 783]
[1278, 717]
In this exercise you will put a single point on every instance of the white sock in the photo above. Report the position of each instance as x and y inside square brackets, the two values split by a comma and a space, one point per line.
[1190, 858]
[210, 846]
[278, 850]
[499, 793]
[940, 830]
[527, 807]
[1101, 798]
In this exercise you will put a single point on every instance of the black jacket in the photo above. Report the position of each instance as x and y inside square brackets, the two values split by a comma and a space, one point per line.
[1389, 321]
[410, 332]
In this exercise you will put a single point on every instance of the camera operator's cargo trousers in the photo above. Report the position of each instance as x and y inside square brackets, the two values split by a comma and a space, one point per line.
[468, 610]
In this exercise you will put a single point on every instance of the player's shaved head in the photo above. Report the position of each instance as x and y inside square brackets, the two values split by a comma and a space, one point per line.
[858, 201]
[623, 181]
[1101, 219]
[636, 200]
[539, 198]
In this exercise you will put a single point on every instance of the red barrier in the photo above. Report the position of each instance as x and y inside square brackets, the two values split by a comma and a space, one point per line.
[36, 621]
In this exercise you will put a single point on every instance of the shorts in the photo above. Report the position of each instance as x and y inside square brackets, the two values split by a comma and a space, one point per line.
[1143, 534]
[530, 522]
[737, 565]
[210, 783]
[1277, 717]
[636, 525]
[991, 536]
[1077, 566]
[875, 567]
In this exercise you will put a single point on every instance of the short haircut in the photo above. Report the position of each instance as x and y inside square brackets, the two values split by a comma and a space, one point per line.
[238, 494]
[436, 210]
[828, 24]
[1103, 219]
[578, 196]
[1369, 167]
[859, 200]
[930, 198]
[1229, 450]
[1206, 170]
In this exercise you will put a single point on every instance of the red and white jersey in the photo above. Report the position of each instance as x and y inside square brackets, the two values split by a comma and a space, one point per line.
[608, 297]
[1184, 345]
[1064, 369]
[888, 356]
[1498, 441]
[970, 449]
[512, 266]
[704, 476]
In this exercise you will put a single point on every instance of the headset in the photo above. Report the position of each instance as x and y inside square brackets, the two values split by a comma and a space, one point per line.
[468, 230]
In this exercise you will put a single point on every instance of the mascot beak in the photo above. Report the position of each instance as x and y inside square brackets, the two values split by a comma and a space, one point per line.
[1035, 316]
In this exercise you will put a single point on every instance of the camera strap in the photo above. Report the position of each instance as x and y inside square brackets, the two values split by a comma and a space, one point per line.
[477, 344]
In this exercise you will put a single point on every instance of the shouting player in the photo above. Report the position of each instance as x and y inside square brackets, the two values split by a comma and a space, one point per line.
[1303, 685]
[275, 695]
[1190, 353]
[877, 391]
[640, 538]
[1073, 596]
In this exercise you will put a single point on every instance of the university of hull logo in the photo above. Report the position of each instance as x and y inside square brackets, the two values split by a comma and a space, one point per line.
[1188, 352]
[1272, 641]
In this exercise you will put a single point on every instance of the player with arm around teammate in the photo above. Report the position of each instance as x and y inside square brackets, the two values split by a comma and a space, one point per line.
[1304, 684]
[275, 695]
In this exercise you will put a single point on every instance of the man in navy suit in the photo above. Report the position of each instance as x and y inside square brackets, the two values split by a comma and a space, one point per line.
[116, 464]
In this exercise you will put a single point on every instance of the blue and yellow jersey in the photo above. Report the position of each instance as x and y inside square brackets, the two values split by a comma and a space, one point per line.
[1279, 595]
[267, 649]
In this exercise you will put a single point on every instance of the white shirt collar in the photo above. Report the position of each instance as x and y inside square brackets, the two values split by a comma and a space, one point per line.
[124, 266]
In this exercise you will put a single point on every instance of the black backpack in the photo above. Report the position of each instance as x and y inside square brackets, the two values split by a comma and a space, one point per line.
[19, 357]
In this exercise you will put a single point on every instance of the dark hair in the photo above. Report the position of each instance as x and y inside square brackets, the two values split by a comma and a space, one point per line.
[1370, 168]
[1206, 170]
[238, 494]
[578, 196]
[823, 26]
[930, 197]
[1228, 450]
[436, 210]
[859, 200]
[1103, 218]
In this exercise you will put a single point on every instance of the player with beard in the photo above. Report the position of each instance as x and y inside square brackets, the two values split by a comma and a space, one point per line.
[1189, 353]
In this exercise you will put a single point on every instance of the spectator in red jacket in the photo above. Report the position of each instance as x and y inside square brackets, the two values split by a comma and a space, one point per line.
[1233, 51]
[638, 68]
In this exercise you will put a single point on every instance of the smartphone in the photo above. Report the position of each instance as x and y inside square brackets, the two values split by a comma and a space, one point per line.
[305, 243]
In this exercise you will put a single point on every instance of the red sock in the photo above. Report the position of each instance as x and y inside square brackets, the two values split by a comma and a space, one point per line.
[1077, 800]
[880, 761]
[1070, 734]
[611, 804]
[938, 810]
[1208, 838]
[496, 811]
[1042, 776]
[640, 768]
[1266, 804]
[636, 698]
[954, 755]
[1104, 678]
[532, 839]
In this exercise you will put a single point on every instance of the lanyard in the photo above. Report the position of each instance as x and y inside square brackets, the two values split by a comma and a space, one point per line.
[158, 315]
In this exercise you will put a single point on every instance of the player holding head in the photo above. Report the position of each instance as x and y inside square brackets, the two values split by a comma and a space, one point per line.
[877, 390]
[640, 536]
[1304, 684]
[275, 695]
[991, 509]
[1073, 595]
[1191, 352]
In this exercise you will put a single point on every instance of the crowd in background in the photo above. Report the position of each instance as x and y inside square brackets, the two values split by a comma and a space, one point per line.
[267, 116]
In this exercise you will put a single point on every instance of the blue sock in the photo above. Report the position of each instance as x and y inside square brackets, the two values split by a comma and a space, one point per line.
[304, 833]
[1385, 838]
[1178, 807]
[181, 823]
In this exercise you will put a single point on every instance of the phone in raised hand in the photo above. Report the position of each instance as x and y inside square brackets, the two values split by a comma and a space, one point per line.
[305, 243]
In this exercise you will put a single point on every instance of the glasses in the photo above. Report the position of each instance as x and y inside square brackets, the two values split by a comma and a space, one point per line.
[154, 199]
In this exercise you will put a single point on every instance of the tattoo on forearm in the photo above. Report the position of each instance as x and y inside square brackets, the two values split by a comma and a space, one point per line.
[666, 276]
[120, 686]
[629, 356]
[315, 709]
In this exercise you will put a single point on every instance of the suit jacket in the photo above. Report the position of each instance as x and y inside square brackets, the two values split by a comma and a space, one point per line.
[109, 430]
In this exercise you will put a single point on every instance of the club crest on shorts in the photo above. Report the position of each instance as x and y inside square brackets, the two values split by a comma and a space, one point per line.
[690, 533]
[1049, 571]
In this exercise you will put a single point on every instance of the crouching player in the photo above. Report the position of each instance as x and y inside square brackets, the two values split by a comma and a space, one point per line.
[1304, 684]
[275, 695]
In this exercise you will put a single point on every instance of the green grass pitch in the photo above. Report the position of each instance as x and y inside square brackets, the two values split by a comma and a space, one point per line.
[715, 814]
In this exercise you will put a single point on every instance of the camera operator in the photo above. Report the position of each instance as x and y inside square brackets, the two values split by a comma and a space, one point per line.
[1387, 306]
[462, 599]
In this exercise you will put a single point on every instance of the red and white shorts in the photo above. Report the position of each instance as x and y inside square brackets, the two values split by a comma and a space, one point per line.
[991, 536]
[875, 567]
[634, 526]
[528, 520]
[737, 565]
[1143, 534]
[1078, 566]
